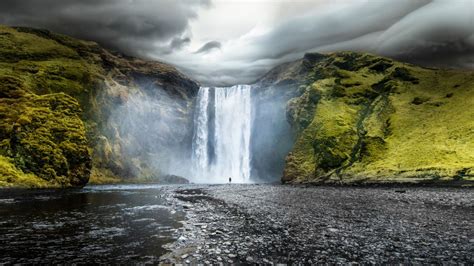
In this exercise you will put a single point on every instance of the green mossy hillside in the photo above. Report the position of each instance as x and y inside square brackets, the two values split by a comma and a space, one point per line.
[59, 106]
[42, 135]
[367, 119]
[42, 138]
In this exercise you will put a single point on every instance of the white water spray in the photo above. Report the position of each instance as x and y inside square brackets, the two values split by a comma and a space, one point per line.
[200, 140]
[221, 146]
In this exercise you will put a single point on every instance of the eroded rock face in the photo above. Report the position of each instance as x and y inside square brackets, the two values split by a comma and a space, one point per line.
[69, 108]
[87, 109]
[362, 118]
[272, 136]
[146, 117]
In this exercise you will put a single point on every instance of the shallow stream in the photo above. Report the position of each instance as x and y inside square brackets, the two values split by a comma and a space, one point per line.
[95, 224]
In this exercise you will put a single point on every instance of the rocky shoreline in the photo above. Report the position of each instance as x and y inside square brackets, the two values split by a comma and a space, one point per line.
[305, 224]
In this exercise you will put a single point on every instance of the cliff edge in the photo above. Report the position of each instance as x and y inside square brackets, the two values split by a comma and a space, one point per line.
[64, 104]
[366, 119]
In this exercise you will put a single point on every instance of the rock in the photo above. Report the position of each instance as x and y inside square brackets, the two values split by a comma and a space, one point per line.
[172, 179]
[359, 232]
[97, 86]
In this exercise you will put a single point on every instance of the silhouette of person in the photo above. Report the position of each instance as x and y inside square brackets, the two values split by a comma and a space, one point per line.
[230, 179]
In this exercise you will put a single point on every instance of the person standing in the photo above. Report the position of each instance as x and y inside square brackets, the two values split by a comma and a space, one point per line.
[230, 179]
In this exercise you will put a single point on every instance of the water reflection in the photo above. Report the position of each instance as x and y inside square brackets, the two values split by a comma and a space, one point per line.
[96, 224]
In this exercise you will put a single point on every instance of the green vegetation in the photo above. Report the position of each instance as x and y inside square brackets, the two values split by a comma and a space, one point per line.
[11, 176]
[43, 137]
[360, 118]
[57, 95]
[368, 119]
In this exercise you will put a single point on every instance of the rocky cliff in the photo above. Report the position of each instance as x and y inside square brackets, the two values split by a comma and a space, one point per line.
[272, 136]
[71, 110]
[366, 119]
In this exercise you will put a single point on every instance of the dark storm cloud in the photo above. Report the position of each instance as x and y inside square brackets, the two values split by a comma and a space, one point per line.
[178, 43]
[440, 33]
[425, 31]
[207, 47]
[436, 33]
[135, 27]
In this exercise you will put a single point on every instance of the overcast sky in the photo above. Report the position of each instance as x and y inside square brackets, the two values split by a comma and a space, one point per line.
[234, 41]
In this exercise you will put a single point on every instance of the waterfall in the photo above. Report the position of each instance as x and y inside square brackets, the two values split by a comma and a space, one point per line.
[232, 132]
[200, 156]
[222, 126]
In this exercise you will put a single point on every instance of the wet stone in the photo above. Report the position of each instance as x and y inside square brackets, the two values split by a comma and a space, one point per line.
[333, 225]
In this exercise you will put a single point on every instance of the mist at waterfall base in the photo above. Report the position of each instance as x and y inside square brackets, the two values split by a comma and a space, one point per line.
[154, 132]
[221, 142]
[240, 132]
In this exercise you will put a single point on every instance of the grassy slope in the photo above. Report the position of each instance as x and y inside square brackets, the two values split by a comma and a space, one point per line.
[368, 119]
[43, 138]
[38, 70]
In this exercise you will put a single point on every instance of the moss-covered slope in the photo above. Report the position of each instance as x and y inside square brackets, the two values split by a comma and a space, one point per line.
[59, 99]
[43, 139]
[44, 136]
[363, 118]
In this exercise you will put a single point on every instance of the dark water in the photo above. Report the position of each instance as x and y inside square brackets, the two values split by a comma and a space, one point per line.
[94, 224]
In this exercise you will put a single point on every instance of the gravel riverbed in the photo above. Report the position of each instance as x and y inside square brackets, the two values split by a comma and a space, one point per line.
[298, 224]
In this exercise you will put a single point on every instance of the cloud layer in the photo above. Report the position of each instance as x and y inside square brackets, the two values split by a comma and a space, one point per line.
[209, 46]
[134, 27]
[428, 32]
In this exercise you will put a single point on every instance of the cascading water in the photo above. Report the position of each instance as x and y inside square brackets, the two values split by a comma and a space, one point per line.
[201, 135]
[222, 127]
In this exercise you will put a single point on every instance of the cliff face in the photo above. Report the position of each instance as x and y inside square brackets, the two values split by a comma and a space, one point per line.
[366, 119]
[272, 135]
[71, 109]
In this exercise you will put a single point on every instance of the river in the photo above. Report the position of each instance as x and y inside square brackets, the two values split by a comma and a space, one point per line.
[238, 223]
[96, 224]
